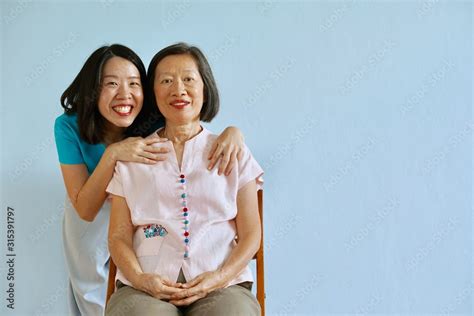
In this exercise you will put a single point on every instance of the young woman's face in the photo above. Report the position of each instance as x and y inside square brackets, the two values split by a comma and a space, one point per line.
[121, 94]
[179, 88]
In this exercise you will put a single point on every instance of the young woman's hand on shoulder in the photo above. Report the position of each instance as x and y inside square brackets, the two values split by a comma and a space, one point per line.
[228, 147]
[138, 149]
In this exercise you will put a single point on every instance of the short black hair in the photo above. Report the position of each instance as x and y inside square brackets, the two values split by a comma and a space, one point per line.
[210, 107]
[82, 95]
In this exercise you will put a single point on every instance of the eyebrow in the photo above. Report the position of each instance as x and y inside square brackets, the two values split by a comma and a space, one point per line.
[113, 76]
[171, 73]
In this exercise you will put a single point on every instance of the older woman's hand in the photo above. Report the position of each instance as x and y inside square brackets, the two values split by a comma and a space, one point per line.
[198, 288]
[157, 286]
[229, 147]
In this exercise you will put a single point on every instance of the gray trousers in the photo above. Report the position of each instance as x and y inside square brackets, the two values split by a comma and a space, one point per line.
[233, 300]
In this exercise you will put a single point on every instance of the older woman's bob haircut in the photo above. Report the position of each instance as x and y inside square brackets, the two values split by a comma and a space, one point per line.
[211, 94]
[82, 95]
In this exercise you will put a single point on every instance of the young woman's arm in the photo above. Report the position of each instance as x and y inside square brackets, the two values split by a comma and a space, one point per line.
[249, 233]
[87, 193]
[121, 232]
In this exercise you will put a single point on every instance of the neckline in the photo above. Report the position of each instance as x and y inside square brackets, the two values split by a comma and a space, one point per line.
[190, 143]
[192, 138]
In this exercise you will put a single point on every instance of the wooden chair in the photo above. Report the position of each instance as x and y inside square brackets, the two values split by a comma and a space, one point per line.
[258, 257]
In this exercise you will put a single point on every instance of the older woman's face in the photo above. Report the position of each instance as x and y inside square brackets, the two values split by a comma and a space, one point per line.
[179, 88]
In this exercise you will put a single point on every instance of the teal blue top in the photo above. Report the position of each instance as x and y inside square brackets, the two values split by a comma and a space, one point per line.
[71, 148]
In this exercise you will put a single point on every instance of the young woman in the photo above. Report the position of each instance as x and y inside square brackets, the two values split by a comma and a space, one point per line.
[107, 113]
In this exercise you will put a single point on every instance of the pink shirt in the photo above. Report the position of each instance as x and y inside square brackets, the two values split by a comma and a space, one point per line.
[183, 218]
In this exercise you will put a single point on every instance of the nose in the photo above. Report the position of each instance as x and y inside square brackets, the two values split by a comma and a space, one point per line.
[178, 88]
[123, 92]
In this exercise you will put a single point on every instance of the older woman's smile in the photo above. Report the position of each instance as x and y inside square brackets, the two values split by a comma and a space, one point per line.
[179, 104]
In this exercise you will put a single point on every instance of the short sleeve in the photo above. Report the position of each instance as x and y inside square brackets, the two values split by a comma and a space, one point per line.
[249, 170]
[115, 185]
[67, 141]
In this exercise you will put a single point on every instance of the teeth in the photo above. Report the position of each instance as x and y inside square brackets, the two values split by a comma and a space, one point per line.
[123, 109]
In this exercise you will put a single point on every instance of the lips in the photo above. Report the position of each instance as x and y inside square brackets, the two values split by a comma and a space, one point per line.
[123, 109]
[179, 104]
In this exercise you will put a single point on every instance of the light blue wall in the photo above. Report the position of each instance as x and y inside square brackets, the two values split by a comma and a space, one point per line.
[360, 113]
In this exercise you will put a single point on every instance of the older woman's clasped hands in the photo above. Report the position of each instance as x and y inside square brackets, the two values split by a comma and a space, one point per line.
[180, 294]
[199, 287]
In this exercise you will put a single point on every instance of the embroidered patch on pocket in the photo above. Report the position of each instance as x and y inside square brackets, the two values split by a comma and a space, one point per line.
[154, 230]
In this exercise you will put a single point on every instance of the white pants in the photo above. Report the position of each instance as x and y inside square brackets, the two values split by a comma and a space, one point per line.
[87, 259]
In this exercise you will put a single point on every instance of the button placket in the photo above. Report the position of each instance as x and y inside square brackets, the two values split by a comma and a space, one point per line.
[182, 181]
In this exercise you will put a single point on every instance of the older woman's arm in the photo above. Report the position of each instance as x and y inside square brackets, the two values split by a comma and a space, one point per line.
[249, 233]
[121, 232]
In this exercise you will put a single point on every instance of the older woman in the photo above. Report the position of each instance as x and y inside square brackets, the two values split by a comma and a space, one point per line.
[173, 240]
